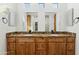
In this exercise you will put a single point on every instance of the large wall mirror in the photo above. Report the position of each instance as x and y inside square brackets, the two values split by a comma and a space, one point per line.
[41, 21]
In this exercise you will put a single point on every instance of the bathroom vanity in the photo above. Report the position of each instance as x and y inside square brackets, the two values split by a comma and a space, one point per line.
[41, 43]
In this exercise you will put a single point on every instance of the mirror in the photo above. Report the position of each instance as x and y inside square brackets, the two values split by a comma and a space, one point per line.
[41, 21]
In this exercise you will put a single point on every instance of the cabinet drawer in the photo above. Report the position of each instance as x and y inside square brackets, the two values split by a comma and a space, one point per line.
[10, 39]
[70, 39]
[25, 40]
[57, 40]
[40, 39]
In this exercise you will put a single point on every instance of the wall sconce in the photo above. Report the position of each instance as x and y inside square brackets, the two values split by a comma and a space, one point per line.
[4, 13]
[76, 20]
[4, 20]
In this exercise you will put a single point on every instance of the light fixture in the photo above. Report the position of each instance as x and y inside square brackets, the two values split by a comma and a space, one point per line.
[4, 20]
[4, 15]
[76, 20]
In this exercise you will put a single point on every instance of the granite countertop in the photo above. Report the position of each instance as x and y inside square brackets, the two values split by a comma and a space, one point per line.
[43, 35]
[40, 34]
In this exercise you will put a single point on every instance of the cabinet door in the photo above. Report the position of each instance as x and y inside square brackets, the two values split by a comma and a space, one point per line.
[11, 48]
[57, 49]
[41, 48]
[52, 49]
[30, 48]
[20, 48]
[57, 46]
[25, 46]
[10, 45]
[70, 48]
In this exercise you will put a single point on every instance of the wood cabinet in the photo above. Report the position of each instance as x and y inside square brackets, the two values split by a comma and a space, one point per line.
[40, 45]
